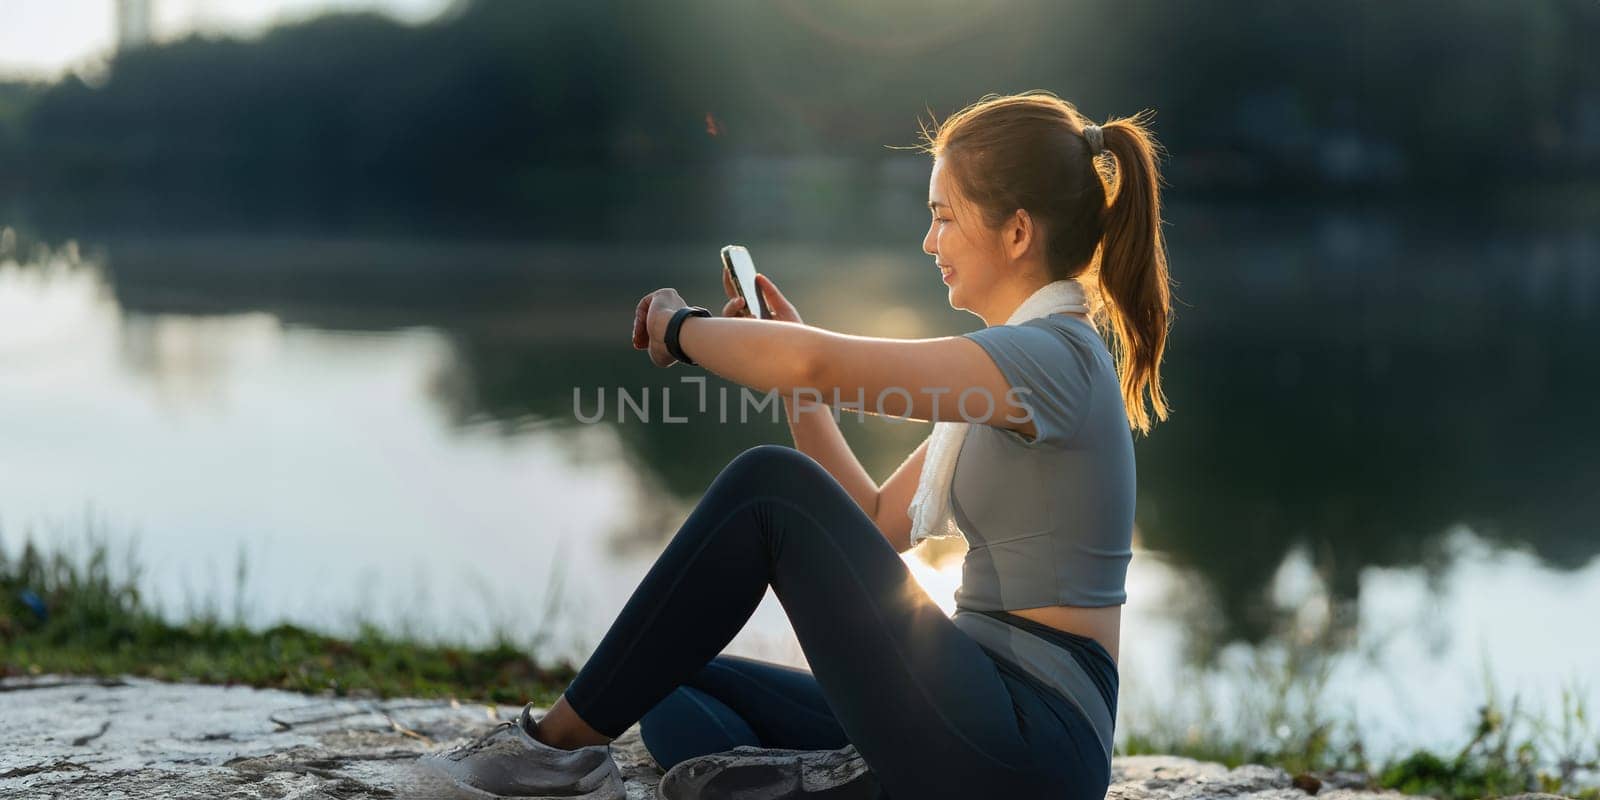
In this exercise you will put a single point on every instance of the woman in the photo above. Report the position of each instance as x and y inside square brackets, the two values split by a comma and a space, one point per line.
[1048, 228]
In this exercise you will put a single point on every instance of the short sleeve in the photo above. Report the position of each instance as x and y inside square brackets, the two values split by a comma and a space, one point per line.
[1048, 376]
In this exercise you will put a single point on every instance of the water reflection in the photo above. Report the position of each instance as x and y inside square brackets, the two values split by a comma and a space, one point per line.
[1383, 388]
[1341, 383]
[388, 425]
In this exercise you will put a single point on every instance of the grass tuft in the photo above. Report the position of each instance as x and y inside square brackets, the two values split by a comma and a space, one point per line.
[64, 614]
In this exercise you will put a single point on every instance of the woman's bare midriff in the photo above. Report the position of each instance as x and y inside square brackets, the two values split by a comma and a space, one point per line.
[1103, 625]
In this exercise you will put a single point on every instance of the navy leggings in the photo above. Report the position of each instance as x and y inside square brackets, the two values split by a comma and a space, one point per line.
[932, 712]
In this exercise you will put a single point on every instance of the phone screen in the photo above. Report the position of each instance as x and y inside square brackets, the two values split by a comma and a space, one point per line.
[736, 259]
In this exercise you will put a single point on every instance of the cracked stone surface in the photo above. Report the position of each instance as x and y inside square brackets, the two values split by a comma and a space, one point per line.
[133, 738]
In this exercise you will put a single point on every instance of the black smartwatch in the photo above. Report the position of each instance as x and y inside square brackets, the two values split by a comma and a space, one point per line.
[670, 339]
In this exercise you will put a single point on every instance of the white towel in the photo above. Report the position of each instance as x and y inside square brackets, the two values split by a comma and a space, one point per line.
[930, 507]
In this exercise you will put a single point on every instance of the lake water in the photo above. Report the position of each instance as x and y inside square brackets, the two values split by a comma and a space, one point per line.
[1383, 444]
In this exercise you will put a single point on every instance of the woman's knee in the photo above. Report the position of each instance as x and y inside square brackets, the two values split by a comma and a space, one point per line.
[776, 470]
[794, 479]
[767, 459]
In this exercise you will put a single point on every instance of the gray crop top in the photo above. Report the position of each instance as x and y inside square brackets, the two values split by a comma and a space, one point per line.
[1048, 521]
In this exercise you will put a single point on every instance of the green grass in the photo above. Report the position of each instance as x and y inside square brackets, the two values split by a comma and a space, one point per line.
[94, 622]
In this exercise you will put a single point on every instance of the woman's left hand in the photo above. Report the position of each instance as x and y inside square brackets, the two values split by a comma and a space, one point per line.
[650, 324]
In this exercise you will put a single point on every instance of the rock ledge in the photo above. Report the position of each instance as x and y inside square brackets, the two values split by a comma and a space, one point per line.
[66, 737]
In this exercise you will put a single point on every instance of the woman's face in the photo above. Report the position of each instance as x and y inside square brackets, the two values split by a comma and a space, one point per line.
[966, 251]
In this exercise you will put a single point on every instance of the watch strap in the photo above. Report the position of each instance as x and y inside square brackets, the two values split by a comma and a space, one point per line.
[670, 338]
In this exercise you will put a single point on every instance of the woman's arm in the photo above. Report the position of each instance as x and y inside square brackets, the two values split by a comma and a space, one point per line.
[816, 433]
[941, 379]
[894, 498]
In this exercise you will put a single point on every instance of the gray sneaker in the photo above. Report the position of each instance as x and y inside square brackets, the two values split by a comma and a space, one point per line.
[757, 773]
[507, 762]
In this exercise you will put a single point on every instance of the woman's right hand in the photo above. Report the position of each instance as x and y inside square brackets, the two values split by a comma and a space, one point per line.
[778, 305]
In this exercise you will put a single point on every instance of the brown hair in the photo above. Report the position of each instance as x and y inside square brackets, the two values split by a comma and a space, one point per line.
[1028, 151]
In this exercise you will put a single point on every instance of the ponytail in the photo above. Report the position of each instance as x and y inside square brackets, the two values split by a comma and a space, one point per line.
[1133, 267]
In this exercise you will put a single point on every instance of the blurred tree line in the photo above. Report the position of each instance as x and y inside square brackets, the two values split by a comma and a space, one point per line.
[520, 116]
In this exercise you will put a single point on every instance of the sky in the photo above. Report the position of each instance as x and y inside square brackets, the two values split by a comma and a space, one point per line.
[44, 38]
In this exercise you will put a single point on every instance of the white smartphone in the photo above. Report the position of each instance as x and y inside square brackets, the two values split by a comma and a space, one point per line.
[736, 260]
